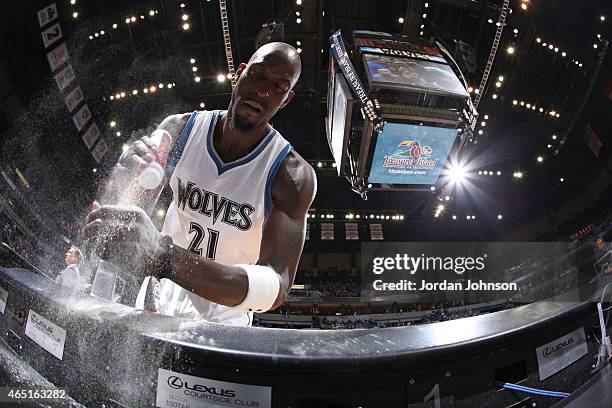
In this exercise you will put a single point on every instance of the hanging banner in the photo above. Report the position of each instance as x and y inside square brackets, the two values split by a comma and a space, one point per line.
[91, 136]
[64, 77]
[47, 15]
[376, 232]
[74, 98]
[100, 150]
[58, 56]
[351, 231]
[51, 35]
[327, 231]
[82, 117]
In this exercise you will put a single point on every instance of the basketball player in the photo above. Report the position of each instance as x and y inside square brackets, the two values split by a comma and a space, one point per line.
[234, 232]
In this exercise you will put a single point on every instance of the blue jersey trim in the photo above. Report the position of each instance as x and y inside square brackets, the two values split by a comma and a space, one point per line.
[177, 151]
[271, 176]
[223, 167]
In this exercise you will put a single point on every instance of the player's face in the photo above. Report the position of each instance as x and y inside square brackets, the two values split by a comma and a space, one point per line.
[263, 87]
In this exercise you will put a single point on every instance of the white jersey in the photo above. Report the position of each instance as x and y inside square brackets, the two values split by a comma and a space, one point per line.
[218, 211]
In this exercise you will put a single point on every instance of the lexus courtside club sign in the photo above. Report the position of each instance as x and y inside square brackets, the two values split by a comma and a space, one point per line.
[178, 390]
[560, 353]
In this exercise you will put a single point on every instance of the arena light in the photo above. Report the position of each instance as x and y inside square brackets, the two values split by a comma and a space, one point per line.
[113, 124]
[454, 217]
[319, 164]
[298, 2]
[540, 159]
[75, 15]
[499, 216]
[401, 217]
[202, 105]
[447, 198]
[160, 85]
[440, 208]
[518, 175]
[197, 79]
[562, 179]
[457, 173]
[299, 50]
[145, 90]
[221, 78]
[125, 147]
[118, 134]
[186, 26]
[494, 96]
[554, 137]
[160, 212]
[185, 17]
[194, 69]
[401, 20]
[602, 18]
[510, 50]
[133, 19]
[73, 2]
[151, 13]
[298, 20]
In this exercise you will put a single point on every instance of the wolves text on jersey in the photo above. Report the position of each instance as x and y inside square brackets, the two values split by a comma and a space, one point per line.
[211, 205]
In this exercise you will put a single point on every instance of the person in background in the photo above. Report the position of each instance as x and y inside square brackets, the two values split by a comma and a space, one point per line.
[71, 276]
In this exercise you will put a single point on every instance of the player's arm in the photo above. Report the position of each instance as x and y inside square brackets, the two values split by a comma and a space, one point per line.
[134, 160]
[281, 246]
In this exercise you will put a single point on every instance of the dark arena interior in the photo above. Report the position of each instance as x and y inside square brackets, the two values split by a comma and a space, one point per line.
[306, 203]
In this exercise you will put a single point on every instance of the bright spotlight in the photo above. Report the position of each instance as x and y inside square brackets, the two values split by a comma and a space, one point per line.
[220, 78]
[457, 173]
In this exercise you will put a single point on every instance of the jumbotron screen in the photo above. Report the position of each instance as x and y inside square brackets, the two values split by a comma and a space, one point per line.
[410, 154]
[397, 72]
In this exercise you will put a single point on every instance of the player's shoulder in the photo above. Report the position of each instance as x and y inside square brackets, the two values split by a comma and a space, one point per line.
[296, 183]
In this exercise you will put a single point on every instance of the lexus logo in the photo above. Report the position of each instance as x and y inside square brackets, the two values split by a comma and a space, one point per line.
[175, 382]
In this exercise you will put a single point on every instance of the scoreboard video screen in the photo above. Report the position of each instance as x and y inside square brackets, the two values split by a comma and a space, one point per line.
[410, 74]
[410, 154]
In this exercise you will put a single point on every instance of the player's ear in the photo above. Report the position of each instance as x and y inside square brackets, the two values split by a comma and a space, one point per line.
[288, 99]
[240, 69]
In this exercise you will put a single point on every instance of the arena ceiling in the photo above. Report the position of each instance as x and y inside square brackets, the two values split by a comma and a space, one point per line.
[125, 46]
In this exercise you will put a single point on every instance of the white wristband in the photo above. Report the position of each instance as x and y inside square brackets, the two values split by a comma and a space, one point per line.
[264, 286]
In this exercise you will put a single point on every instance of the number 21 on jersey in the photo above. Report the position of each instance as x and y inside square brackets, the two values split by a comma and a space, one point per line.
[198, 237]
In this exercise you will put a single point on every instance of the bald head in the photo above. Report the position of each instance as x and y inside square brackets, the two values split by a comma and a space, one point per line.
[264, 86]
[283, 52]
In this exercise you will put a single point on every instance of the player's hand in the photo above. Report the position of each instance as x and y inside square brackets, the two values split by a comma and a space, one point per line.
[139, 154]
[124, 235]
